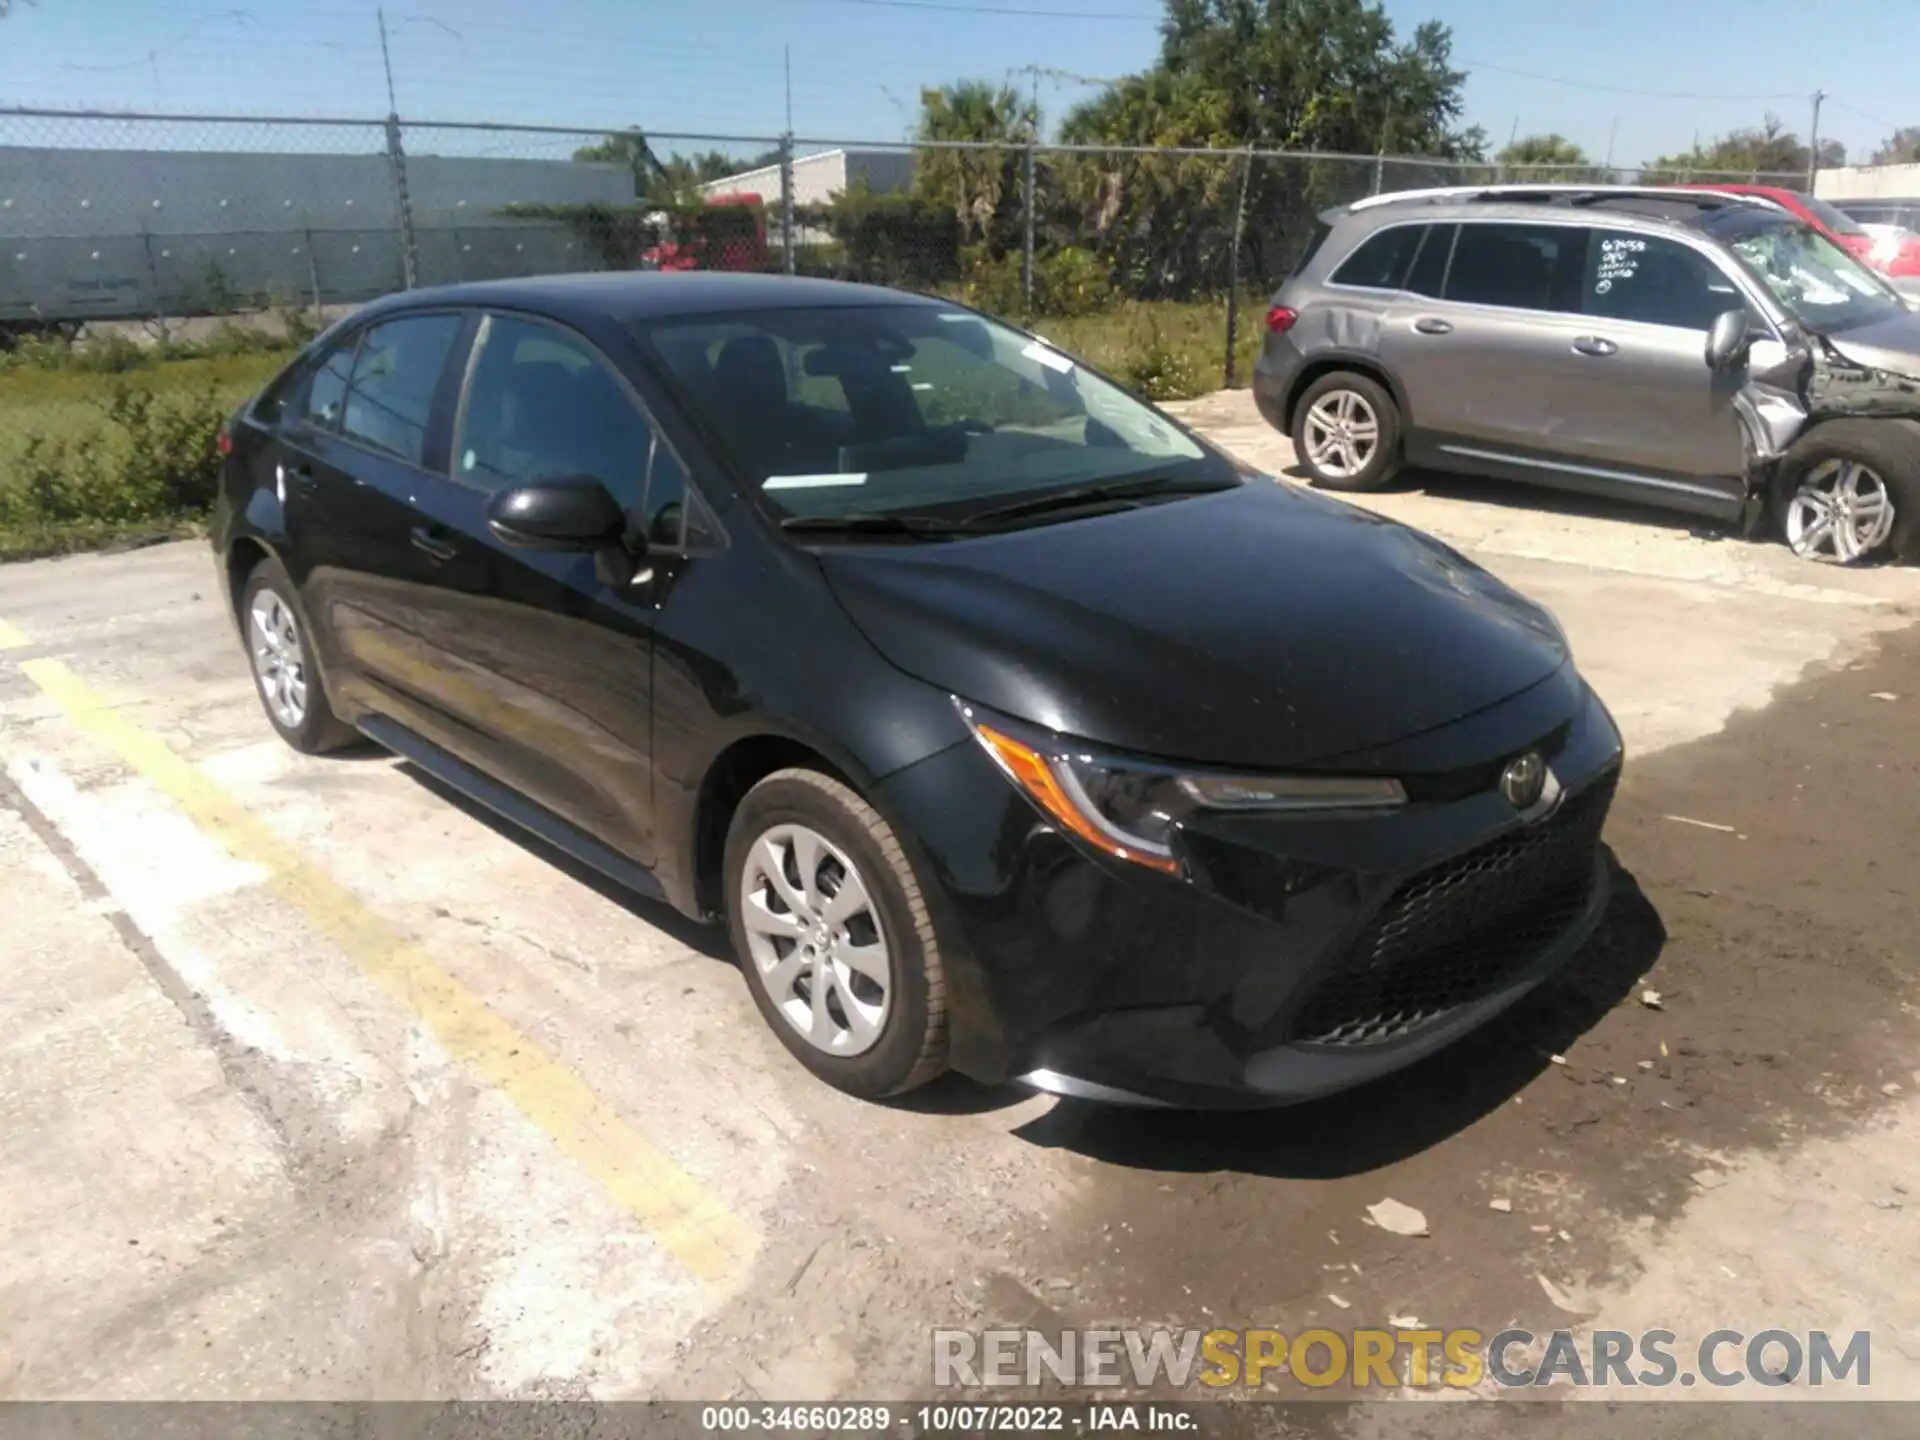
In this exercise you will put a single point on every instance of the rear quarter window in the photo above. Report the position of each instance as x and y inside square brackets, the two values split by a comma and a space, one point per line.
[1321, 230]
[1382, 261]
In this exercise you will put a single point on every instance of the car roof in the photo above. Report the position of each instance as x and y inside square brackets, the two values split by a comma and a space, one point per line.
[1665, 205]
[627, 295]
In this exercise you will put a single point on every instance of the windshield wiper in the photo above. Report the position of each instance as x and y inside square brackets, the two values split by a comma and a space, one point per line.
[928, 526]
[1118, 492]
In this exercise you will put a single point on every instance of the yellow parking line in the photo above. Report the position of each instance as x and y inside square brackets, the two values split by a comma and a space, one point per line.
[12, 637]
[691, 1222]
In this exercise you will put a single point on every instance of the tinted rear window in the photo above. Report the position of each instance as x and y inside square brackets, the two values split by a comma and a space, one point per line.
[1382, 260]
[1429, 272]
[1524, 267]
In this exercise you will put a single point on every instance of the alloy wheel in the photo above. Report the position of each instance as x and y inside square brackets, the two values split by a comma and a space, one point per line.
[1841, 512]
[814, 935]
[1342, 433]
[274, 640]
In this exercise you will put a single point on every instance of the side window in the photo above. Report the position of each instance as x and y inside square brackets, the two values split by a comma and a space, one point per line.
[666, 517]
[317, 400]
[1382, 259]
[1429, 271]
[1655, 281]
[1523, 267]
[390, 399]
[542, 406]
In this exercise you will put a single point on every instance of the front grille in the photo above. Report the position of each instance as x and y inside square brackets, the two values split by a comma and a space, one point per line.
[1462, 930]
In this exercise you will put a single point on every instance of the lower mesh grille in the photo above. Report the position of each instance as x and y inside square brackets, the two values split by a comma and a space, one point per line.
[1461, 931]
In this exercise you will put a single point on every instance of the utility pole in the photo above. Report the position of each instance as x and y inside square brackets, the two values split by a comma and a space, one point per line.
[1026, 186]
[1813, 149]
[397, 170]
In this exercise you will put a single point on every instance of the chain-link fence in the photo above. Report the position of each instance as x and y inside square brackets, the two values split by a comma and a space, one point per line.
[128, 241]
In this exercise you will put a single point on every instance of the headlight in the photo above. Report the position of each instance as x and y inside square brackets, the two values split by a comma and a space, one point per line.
[1130, 808]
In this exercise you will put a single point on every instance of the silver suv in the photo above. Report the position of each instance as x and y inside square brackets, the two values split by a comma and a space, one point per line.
[1694, 349]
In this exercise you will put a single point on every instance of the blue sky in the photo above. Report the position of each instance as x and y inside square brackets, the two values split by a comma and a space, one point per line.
[857, 68]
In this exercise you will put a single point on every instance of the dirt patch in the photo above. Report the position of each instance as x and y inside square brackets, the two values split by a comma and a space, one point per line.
[1776, 932]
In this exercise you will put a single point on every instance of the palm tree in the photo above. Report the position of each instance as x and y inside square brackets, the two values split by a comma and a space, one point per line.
[977, 184]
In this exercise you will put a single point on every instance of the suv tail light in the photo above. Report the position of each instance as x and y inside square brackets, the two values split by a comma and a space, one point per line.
[1280, 319]
[223, 442]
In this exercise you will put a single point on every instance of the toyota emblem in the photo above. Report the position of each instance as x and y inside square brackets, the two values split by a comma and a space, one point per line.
[1523, 780]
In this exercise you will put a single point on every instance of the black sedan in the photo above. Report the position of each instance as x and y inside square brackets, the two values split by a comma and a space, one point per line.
[1008, 725]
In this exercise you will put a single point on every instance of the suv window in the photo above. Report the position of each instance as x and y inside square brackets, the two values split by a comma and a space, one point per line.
[543, 406]
[1381, 261]
[1655, 281]
[1524, 267]
[1429, 271]
[390, 399]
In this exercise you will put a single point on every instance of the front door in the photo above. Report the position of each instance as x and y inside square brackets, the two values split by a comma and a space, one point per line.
[1648, 405]
[547, 665]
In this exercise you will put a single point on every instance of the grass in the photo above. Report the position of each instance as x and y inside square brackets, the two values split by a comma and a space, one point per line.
[109, 443]
[75, 477]
[1164, 349]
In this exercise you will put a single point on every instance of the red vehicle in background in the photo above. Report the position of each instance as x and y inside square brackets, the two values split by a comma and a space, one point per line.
[728, 232]
[1898, 260]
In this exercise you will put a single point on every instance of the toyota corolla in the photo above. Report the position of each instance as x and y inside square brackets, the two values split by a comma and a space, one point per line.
[1007, 725]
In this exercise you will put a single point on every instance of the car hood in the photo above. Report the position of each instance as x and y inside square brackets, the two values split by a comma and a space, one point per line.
[1891, 344]
[1261, 626]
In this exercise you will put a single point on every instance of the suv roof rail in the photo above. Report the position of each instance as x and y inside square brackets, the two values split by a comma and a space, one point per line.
[1562, 191]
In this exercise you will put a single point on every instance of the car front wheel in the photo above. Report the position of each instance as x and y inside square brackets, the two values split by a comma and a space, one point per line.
[832, 930]
[1850, 491]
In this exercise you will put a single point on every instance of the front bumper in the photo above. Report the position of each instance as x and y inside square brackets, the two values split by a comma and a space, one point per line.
[1298, 956]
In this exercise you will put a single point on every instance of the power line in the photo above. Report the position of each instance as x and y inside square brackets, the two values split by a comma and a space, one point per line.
[1616, 89]
[1021, 12]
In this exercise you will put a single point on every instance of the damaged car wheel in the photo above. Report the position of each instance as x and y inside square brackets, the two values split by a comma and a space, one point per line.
[1850, 491]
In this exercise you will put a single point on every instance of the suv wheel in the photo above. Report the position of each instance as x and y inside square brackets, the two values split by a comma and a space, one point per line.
[1850, 491]
[834, 936]
[1346, 431]
[284, 669]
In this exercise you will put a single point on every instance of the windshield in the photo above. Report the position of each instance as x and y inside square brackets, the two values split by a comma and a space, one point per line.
[911, 409]
[1837, 221]
[1816, 282]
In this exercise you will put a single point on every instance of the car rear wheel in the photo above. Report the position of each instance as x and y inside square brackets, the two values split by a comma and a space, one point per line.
[284, 670]
[832, 930]
[1346, 432]
[1850, 491]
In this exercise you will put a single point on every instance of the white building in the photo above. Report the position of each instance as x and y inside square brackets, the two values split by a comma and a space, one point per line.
[1866, 182]
[818, 178]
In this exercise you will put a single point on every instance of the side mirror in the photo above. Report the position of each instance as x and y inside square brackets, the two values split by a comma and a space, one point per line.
[1728, 340]
[576, 513]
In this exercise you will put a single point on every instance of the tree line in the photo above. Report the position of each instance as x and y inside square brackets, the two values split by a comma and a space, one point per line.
[1332, 77]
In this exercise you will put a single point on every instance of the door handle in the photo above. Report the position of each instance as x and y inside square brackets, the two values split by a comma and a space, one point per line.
[434, 541]
[300, 475]
[1595, 345]
[1433, 325]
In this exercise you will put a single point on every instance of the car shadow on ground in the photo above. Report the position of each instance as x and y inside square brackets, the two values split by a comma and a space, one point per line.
[708, 940]
[1513, 495]
[1401, 1114]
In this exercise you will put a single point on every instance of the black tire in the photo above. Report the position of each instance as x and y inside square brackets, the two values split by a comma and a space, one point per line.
[319, 729]
[1889, 448]
[1383, 464]
[911, 1048]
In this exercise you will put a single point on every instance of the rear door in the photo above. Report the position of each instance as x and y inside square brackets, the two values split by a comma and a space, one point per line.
[358, 475]
[1482, 345]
